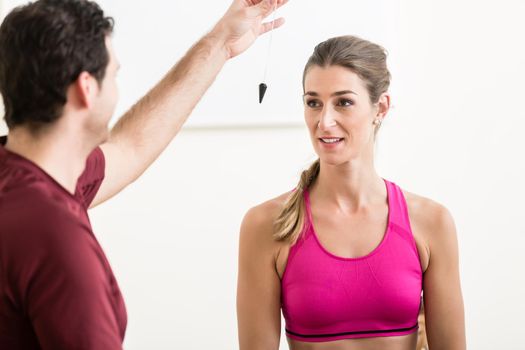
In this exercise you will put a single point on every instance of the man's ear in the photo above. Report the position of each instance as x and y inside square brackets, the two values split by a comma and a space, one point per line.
[85, 89]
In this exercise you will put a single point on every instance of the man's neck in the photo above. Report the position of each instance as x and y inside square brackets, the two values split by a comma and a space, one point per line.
[61, 155]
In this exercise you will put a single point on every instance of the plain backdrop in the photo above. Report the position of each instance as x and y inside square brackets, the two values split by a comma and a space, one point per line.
[455, 135]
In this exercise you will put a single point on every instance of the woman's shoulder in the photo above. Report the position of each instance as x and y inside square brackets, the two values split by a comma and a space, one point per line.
[427, 212]
[257, 236]
[432, 223]
[263, 216]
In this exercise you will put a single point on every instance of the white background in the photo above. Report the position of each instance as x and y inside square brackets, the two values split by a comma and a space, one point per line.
[455, 135]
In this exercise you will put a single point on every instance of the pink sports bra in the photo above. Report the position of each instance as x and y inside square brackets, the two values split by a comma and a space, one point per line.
[327, 297]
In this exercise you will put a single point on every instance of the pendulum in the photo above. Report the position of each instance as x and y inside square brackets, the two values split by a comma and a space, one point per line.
[262, 86]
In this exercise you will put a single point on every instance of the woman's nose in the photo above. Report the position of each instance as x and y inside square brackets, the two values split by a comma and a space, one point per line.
[327, 119]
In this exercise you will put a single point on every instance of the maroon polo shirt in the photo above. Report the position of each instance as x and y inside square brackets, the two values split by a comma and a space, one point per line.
[57, 290]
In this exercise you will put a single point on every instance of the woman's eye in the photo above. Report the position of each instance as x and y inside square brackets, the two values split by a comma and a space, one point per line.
[345, 102]
[313, 103]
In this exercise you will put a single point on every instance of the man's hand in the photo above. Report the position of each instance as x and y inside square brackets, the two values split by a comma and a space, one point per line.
[243, 23]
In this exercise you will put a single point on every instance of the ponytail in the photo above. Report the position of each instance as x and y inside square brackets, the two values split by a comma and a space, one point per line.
[290, 222]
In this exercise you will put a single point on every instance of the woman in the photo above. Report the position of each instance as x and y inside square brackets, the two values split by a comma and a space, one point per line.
[348, 254]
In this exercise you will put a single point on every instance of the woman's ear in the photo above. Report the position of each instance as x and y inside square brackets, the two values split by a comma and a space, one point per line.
[383, 105]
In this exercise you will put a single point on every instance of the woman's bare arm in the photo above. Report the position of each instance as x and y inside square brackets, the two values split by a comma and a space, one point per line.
[259, 288]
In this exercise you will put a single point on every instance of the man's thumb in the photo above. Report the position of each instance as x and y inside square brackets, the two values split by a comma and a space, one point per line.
[264, 8]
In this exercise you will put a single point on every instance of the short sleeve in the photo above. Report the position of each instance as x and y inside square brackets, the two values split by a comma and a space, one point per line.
[90, 180]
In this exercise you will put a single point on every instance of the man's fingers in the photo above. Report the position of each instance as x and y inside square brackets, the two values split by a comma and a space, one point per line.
[266, 27]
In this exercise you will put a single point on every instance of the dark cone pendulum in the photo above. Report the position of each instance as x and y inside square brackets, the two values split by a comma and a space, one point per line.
[262, 91]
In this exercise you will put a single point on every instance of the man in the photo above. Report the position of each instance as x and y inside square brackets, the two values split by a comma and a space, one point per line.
[57, 79]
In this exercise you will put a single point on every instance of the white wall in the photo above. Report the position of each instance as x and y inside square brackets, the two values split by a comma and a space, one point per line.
[455, 135]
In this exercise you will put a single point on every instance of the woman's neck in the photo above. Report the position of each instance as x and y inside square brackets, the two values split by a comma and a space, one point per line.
[352, 185]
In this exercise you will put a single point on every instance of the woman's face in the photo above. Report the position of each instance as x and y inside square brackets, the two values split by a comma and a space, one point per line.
[339, 114]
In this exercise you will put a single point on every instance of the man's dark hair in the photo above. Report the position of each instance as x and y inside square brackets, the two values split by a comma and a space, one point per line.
[44, 46]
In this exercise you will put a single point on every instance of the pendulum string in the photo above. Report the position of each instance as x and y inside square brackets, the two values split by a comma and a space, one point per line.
[263, 86]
